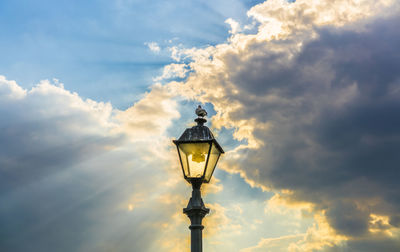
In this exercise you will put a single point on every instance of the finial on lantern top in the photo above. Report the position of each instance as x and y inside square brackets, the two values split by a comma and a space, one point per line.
[201, 113]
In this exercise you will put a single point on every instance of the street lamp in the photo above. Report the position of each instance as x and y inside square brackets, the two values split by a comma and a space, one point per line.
[198, 154]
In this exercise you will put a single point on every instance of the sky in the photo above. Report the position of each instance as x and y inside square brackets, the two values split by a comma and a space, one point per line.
[304, 97]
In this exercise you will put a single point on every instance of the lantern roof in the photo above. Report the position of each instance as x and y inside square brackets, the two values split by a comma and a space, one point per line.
[198, 133]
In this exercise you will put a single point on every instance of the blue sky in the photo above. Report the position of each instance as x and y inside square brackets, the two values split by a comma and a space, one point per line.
[98, 48]
[302, 95]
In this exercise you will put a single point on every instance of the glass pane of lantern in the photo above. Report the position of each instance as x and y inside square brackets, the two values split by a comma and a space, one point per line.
[196, 156]
[184, 160]
[214, 156]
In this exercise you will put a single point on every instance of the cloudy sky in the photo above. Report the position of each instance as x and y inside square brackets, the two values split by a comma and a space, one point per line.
[304, 96]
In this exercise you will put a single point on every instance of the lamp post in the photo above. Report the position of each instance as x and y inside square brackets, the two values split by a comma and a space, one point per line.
[198, 154]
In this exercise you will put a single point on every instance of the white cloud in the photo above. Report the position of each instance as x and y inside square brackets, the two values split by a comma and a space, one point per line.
[65, 160]
[154, 47]
[10, 89]
[173, 71]
[235, 26]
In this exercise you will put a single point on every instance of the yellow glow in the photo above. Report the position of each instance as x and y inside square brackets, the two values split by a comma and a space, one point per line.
[318, 236]
[379, 218]
[194, 158]
[197, 166]
[282, 203]
[380, 224]
[198, 157]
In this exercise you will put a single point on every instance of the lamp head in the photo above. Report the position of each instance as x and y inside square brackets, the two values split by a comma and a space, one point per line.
[198, 150]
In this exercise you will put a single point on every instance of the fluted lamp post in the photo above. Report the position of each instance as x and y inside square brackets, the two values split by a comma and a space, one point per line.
[198, 153]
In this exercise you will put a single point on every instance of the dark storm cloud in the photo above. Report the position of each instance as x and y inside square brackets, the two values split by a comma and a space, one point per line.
[371, 244]
[335, 126]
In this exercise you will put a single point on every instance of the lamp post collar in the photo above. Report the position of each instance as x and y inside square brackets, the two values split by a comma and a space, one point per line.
[200, 121]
